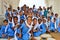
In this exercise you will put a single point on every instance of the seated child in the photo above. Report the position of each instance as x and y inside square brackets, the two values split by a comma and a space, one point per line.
[36, 31]
[21, 21]
[26, 28]
[4, 29]
[18, 33]
[43, 26]
[52, 26]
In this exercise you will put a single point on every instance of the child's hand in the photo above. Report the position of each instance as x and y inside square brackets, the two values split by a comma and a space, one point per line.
[34, 30]
[17, 25]
[20, 35]
[40, 29]
[3, 35]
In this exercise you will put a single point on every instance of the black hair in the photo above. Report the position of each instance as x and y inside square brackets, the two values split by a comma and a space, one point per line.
[5, 20]
[34, 19]
[39, 19]
[29, 17]
[15, 17]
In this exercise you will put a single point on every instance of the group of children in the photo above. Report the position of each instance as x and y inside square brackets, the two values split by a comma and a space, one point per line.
[26, 23]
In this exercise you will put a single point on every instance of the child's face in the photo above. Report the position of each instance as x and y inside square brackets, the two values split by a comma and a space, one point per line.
[5, 23]
[56, 15]
[15, 20]
[10, 19]
[21, 13]
[37, 14]
[44, 21]
[35, 21]
[29, 20]
[30, 14]
[39, 21]
[54, 20]
[21, 21]
[48, 18]
[59, 24]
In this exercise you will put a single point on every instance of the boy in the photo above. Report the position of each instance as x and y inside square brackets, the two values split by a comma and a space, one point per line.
[8, 12]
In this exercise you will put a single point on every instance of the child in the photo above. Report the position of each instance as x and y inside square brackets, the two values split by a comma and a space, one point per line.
[43, 26]
[17, 29]
[48, 23]
[10, 30]
[8, 12]
[21, 21]
[52, 16]
[45, 12]
[39, 21]
[4, 29]
[26, 28]
[57, 19]
[58, 28]
[10, 21]
[21, 15]
[52, 26]
[36, 32]
[18, 33]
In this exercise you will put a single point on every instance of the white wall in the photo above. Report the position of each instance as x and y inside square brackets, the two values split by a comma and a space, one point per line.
[30, 3]
[55, 4]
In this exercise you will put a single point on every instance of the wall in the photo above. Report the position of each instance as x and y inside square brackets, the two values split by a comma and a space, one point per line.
[55, 4]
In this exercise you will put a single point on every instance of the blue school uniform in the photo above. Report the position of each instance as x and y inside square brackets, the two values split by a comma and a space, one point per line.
[41, 13]
[51, 17]
[4, 31]
[25, 35]
[57, 22]
[22, 17]
[34, 10]
[58, 29]
[37, 33]
[10, 30]
[43, 28]
[18, 31]
[52, 26]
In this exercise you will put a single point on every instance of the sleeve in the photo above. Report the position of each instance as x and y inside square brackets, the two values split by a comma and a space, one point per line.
[41, 27]
[19, 31]
[2, 29]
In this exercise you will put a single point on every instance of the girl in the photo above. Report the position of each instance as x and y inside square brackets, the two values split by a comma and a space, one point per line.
[43, 27]
[36, 31]
[26, 28]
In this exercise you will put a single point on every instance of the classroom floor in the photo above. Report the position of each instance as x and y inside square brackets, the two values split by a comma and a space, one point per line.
[56, 36]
